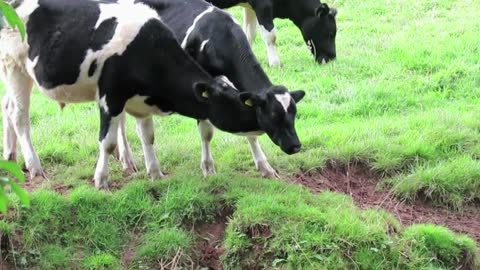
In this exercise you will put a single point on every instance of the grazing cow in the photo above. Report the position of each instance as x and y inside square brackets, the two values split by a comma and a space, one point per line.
[219, 45]
[315, 20]
[119, 53]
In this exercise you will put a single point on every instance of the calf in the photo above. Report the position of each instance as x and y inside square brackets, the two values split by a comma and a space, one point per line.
[315, 20]
[219, 45]
[120, 54]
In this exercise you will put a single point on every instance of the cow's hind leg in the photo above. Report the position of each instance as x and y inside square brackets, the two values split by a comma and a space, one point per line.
[124, 151]
[16, 108]
[250, 24]
[145, 130]
[206, 132]
[260, 159]
[9, 136]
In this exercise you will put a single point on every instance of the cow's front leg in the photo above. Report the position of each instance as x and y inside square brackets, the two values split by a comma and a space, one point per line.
[107, 144]
[206, 133]
[267, 29]
[145, 131]
[260, 159]
[124, 151]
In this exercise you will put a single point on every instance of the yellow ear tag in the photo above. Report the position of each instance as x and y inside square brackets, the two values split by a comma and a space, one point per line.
[205, 94]
[249, 102]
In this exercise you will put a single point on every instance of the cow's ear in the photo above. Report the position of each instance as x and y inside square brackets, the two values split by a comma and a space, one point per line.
[251, 100]
[203, 91]
[297, 95]
[333, 12]
[322, 10]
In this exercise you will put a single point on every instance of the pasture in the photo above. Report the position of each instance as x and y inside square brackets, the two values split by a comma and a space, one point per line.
[393, 122]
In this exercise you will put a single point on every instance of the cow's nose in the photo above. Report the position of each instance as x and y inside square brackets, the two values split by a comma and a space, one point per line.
[293, 149]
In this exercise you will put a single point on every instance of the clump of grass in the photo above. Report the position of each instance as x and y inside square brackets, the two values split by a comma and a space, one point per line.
[56, 257]
[431, 245]
[454, 182]
[162, 244]
[101, 261]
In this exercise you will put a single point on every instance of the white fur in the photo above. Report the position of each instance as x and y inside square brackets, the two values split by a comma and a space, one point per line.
[145, 131]
[260, 159]
[206, 133]
[250, 23]
[226, 81]
[194, 24]
[101, 171]
[270, 37]
[103, 103]
[202, 46]
[284, 99]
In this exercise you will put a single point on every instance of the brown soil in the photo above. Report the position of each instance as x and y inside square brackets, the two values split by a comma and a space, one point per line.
[129, 250]
[360, 182]
[210, 246]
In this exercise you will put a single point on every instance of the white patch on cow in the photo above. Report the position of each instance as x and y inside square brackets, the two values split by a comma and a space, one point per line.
[145, 130]
[202, 46]
[103, 103]
[284, 99]
[269, 37]
[195, 21]
[226, 81]
[26, 8]
[260, 159]
[207, 165]
[250, 23]
[137, 107]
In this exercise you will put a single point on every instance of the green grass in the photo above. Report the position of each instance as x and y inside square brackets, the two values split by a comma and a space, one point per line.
[402, 96]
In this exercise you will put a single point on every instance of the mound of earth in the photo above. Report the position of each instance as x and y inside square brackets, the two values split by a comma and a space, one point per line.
[360, 183]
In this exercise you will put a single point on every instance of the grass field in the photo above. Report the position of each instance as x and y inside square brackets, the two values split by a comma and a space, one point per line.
[402, 97]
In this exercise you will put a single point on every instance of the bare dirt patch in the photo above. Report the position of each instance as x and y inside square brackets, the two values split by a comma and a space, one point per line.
[129, 250]
[361, 183]
[210, 244]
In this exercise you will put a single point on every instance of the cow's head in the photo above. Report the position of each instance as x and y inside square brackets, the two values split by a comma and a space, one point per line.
[275, 111]
[319, 33]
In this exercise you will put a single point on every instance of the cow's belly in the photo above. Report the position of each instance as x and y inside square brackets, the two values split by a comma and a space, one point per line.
[75, 93]
[137, 107]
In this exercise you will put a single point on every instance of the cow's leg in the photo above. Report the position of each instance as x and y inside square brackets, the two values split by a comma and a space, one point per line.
[9, 136]
[250, 24]
[16, 114]
[145, 130]
[124, 151]
[206, 133]
[260, 159]
[107, 143]
[267, 29]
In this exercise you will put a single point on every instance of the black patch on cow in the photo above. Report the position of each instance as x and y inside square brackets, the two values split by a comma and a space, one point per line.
[92, 68]
[59, 33]
[103, 34]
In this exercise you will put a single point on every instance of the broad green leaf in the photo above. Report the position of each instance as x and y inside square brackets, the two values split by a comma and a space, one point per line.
[13, 169]
[3, 201]
[22, 194]
[12, 18]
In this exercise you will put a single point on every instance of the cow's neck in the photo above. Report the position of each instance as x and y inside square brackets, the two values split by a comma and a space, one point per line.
[244, 69]
[303, 10]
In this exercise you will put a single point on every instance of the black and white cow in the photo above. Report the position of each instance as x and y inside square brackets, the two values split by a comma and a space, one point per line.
[120, 54]
[218, 44]
[315, 20]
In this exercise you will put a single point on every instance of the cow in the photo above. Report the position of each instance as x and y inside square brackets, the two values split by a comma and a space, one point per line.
[120, 54]
[316, 21]
[210, 35]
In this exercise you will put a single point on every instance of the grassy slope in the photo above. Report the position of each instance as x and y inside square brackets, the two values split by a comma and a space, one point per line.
[402, 95]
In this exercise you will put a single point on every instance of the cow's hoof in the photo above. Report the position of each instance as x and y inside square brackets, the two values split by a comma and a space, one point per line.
[101, 182]
[275, 63]
[37, 174]
[129, 171]
[156, 174]
[266, 170]
[11, 156]
[128, 164]
[208, 168]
